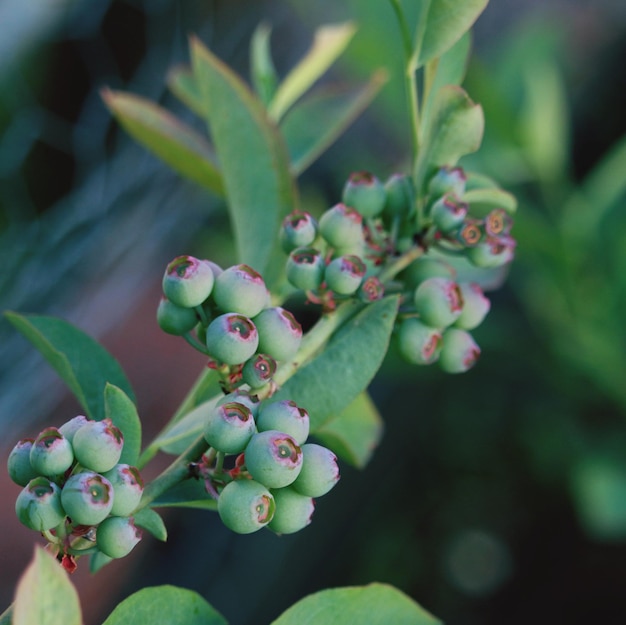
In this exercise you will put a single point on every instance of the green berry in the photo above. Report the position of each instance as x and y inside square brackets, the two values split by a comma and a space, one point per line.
[341, 227]
[98, 445]
[240, 289]
[284, 416]
[471, 233]
[273, 458]
[127, 488]
[319, 471]
[87, 498]
[418, 343]
[258, 370]
[20, 469]
[245, 506]
[69, 428]
[229, 427]
[293, 511]
[498, 222]
[280, 333]
[345, 274]
[117, 536]
[423, 268]
[438, 302]
[492, 252]
[175, 319]
[400, 197]
[38, 506]
[448, 180]
[448, 213]
[475, 306]
[365, 193]
[299, 229]
[188, 281]
[305, 268]
[232, 338]
[51, 453]
[239, 396]
[459, 352]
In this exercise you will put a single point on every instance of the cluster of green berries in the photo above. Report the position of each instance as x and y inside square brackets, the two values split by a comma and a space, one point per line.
[76, 491]
[276, 475]
[230, 314]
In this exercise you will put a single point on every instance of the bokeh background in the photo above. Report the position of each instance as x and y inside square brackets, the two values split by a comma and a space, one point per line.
[498, 496]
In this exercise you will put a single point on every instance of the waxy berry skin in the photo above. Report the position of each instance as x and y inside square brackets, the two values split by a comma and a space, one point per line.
[229, 427]
[51, 453]
[174, 319]
[293, 511]
[319, 472]
[438, 302]
[245, 506]
[240, 289]
[117, 536]
[448, 213]
[448, 180]
[69, 428]
[305, 268]
[38, 506]
[418, 343]
[299, 229]
[87, 498]
[20, 469]
[188, 281]
[345, 274]
[459, 352]
[365, 193]
[475, 306]
[232, 338]
[273, 458]
[341, 227]
[98, 445]
[400, 197]
[127, 488]
[280, 334]
[258, 370]
[284, 416]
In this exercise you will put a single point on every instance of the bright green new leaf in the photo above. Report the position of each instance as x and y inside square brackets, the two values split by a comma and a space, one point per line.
[188, 494]
[151, 521]
[355, 433]
[253, 158]
[170, 139]
[165, 605]
[45, 595]
[481, 201]
[332, 380]
[264, 77]
[328, 44]
[446, 22]
[122, 411]
[182, 84]
[374, 604]
[319, 119]
[83, 364]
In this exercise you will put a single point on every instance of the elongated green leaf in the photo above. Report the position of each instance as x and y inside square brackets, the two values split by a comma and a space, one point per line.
[481, 201]
[328, 43]
[166, 136]
[330, 382]
[188, 494]
[165, 605]
[252, 155]
[354, 434]
[446, 22]
[122, 411]
[316, 122]
[151, 521]
[83, 364]
[182, 84]
[375, 604]
[264, 77]
[45, 595]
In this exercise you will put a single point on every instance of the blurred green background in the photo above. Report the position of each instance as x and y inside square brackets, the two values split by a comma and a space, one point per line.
[498, 496]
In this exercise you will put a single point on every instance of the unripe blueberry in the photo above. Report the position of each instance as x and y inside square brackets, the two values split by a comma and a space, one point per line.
[175, 319]
[229, 427]
[399, 197]
[240, 289]
[127, 488]
[245, 506]
[38, 506]
[305, 268]
[232, 338]
[418, 343]
[423, 268]
[280, 334]
[51, 453]
[87, 498]
[448, 213]
[273, 458]
[242, 397]
[365, 193]
[448, 180]
[117, 536]
[475, 306]
[258, 370]
[20, 469]
[371, 290]
[344, 274]
[98, 445]
[69, 428]
[299, 229]
[188, 281]
[438, 302]
[284, 416]
[459, 352]
[319, 471]
[492, 252]
[471, 233]
[293, 511]
[341, 226]
[498, 222]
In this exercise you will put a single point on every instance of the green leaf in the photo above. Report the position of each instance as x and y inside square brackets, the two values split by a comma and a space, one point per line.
[482, 201]
[151, 521]
[167, 137]
[316, 122]
[83, 364]
[183, 85]
[446, 22]
[165, 605]
[188, 494]
[332, 380]
[374, 604]
[264, 77]
[328, 43]
[355, 433]
[253, 159]
[122, 411]
[45, 595]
